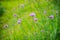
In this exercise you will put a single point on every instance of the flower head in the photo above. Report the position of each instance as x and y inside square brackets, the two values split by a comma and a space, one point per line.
[19, 21]
[32, 14]
[22, 5]
[51, 16]
[14, 14]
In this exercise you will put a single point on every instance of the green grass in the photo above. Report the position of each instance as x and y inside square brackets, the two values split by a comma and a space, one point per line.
[44, 29]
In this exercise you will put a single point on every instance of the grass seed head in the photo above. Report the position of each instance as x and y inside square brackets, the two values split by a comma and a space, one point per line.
[5, 26]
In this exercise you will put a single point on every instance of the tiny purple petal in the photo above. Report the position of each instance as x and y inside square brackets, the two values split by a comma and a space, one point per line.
[51, 16]
[32, 14]
[19, 21]
[35, 19]
[14, 14]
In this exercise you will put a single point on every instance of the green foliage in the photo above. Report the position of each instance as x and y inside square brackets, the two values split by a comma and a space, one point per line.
[44, 28]
[1, 10]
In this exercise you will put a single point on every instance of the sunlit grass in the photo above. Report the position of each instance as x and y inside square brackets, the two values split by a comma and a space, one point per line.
[43, 29]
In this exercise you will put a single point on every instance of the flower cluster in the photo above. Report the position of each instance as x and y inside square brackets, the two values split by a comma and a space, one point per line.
[32, 15]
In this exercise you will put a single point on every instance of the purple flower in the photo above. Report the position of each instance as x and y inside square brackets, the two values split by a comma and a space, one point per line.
[57, 12]
[32, 14]
[14, 14]
[19, 21]
[35, 19]
[51, 16]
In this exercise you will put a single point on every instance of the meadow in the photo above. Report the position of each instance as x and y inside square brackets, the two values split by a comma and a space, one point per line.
[28, 20]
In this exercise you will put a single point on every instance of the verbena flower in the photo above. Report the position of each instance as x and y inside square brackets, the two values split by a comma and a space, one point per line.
[19, 21]
[35, 19]
[51, 16]
[32, 14]
[14, 14]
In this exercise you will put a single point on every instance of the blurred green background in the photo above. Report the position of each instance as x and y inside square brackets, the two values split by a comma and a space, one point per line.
[44, 28]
